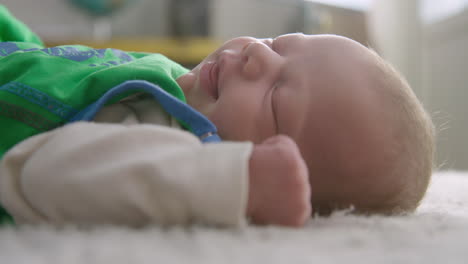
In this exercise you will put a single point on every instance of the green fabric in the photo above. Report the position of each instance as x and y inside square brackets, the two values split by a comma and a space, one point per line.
[5, 218]
[14, 30]
[41, 87]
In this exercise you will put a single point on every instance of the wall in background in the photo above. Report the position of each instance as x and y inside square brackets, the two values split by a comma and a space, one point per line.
[321, 18]
[145, 17]
[259, 18]
[58, 20]
[445, 77]
[433, 55]
[50, 18]
[395, 30]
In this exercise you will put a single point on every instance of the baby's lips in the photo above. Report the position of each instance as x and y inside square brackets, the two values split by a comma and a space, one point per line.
[215, 79]
[206, 79]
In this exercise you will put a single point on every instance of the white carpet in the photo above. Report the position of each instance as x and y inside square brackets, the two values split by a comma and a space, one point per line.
[437, 233]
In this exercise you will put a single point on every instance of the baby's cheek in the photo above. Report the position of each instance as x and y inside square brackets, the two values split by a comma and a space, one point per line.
[229, 128]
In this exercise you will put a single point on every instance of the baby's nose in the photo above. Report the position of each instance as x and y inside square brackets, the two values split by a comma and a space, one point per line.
[252, 68]
[254, 57]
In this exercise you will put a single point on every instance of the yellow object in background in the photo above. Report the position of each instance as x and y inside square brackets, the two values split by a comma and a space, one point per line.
[186, 51]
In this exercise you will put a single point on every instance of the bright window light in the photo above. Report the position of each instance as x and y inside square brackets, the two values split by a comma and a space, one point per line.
[435, 10]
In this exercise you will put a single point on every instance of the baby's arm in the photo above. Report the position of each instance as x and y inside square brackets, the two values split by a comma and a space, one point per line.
[88, 174]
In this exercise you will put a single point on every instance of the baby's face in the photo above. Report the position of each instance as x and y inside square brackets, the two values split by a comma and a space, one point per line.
[314, 88]
[248, 86]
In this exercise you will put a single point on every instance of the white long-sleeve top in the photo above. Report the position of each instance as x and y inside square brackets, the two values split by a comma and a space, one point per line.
[132, 166]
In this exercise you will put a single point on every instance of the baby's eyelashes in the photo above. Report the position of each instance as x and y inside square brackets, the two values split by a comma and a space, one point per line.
[268, 42]
[273, 108]
[272, 44]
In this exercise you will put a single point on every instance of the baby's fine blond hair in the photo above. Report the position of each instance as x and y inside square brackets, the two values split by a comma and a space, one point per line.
[409, 119]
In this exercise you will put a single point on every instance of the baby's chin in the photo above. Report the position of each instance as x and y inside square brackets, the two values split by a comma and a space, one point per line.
[187, 81]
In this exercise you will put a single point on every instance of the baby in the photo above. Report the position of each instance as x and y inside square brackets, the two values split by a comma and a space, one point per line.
[308, 122]
[364, 138]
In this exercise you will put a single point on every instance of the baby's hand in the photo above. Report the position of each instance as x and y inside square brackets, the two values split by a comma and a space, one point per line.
[279, 191]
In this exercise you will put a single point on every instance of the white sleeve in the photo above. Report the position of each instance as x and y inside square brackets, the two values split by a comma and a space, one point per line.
[90, 174]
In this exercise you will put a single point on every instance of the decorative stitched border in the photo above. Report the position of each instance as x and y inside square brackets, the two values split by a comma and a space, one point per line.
[42, 99]
[25, 116]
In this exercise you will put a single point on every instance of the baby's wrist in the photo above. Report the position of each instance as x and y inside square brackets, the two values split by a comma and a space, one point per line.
[254, 170]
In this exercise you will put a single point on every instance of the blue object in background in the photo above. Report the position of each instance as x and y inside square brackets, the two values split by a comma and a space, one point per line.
[101, 11]
[100, 7]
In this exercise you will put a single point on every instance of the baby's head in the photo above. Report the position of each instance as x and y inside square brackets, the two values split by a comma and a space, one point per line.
[366, 139]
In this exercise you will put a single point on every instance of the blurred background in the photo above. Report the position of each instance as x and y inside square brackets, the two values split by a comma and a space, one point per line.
[426, 40]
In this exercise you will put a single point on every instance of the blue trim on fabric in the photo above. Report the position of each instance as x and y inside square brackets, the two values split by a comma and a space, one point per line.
[39, 98]
[6, 48]
[199, 124]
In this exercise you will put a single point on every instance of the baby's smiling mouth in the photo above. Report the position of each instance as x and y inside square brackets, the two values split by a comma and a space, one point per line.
[214, 77]
[209, 74]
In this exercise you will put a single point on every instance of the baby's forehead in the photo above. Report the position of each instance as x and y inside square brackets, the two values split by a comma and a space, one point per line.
[321, 41]
[322, 86]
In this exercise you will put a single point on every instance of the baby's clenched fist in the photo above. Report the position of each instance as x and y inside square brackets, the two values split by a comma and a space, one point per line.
[279, 189]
